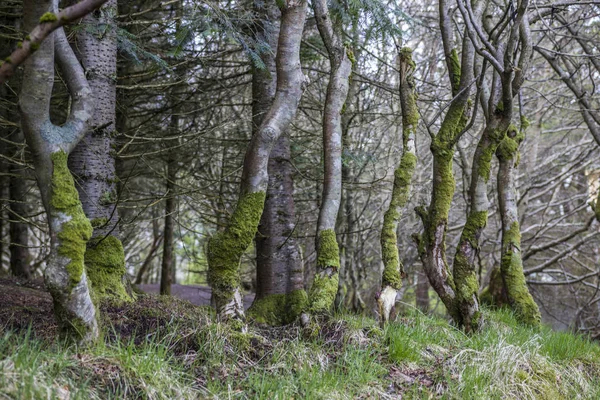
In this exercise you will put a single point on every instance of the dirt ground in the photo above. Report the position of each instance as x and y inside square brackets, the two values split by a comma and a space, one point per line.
[27, 305]
[195, 294]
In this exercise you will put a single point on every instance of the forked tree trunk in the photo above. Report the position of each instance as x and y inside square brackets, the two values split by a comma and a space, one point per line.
[465, 269]
[69, 229]
[92, 162]
[325, 285]
[280, 294]
[432, 243]
[226, 248]
[393, 271]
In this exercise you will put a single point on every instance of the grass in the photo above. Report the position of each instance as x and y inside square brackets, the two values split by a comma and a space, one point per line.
[167, 350]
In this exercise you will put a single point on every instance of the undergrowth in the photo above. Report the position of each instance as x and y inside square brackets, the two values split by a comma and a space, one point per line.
[162, 348]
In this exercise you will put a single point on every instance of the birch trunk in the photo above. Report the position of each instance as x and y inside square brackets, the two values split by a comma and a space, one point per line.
[325, 285]
[226, 248]
[69, 229]
[393, 271]
[511, 265]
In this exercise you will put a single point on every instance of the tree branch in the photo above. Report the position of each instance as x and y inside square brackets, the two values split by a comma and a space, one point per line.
[48, 24]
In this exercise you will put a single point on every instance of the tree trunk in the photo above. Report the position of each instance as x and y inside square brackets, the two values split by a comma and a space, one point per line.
[393, 271]
[422, 292]
[325, 285]
[511, 266]
[65, 273]
[280, 294]
[226, 248]
[19, 253]
[432, 243]
[465, 270]
[92, 162]
[167, 267]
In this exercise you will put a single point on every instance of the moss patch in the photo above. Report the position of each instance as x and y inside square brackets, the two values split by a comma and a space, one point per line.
[48, 17]
[105, 266]
[476, 222]
[392, 267]
[328, 250]
[76, 232]
[279, 309]
[519, 297]
[226, 248]
[322, 293]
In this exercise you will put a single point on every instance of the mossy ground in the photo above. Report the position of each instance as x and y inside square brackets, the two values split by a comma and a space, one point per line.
[162, 348]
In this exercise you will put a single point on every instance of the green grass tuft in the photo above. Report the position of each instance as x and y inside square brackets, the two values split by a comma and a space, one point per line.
[161, 348]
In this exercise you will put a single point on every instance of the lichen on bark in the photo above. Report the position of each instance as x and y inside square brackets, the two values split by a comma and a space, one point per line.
[226, 248]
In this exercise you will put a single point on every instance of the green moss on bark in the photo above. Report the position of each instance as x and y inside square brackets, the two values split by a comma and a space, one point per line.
[476, 222]
[520, 299]
[98, 222]
[455, 73]
[105, 266]
[328, 250]
[48, 17]
[392, 267]
[279, 309]
[323, 291]
[77, 230]
[226, 248]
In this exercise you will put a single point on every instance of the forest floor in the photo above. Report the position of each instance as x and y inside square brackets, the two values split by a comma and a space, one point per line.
[167, 348]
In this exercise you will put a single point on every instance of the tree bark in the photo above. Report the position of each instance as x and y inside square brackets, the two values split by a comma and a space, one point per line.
[325, 285]
[44, 26]
[511, 265]
[65, 273]
[422, 292]
[280, 294]
[92, 162]
[17, 211]
[226, 248]
[393, 270]
[167, 266]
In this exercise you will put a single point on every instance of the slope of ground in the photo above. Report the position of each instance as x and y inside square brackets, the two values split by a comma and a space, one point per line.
[165, 348]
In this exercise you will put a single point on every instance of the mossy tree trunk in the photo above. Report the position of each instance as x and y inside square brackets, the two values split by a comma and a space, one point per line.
[69, 229]
[511, 266]
[432, 243]
[226, 248]
[513, 48]
[92, 161]
[459, 292]
[280, 294]
[465, 269]
[325, 285]
[393, 270]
